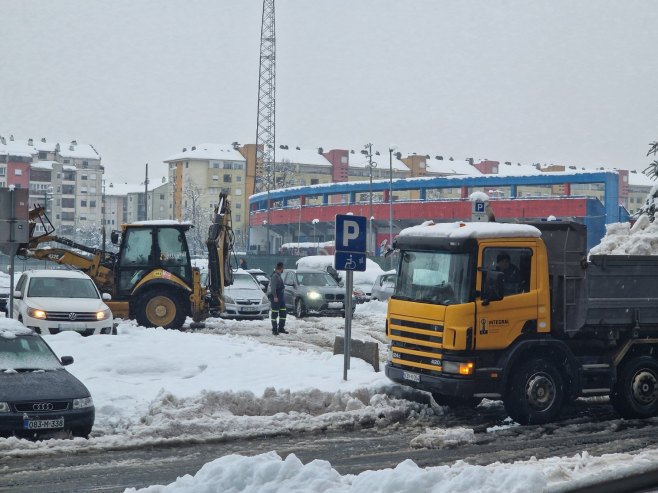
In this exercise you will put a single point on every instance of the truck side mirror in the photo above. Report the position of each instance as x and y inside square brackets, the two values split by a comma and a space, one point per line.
[493, 288]
[114, 237]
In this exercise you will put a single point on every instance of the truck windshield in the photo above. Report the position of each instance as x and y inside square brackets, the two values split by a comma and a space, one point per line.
[441, 278]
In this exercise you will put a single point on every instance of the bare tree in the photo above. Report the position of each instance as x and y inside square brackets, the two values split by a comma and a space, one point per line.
[194, 212]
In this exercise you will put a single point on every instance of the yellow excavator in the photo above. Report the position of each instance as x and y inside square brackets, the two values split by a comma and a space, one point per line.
[151, 277]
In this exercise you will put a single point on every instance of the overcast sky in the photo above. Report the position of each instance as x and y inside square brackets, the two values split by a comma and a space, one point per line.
[558, 81]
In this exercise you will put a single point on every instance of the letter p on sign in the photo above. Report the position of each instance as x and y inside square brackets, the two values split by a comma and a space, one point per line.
[350, 232]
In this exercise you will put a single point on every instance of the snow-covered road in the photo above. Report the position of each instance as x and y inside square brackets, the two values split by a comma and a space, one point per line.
[235, 380]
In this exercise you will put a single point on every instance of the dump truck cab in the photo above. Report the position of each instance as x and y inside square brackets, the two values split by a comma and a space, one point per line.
[446, 319]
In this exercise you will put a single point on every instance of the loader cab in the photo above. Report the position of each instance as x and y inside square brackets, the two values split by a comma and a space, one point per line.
[158, 249]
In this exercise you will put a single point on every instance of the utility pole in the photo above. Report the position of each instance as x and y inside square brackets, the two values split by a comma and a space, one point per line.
[146, 192]
[371, 165]
[390, 198]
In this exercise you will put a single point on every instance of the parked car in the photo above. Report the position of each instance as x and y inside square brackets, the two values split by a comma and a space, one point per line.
[245, 298]
[37, 395]
[261, 277]
[313, 292]
[384, 285]
[53, 301]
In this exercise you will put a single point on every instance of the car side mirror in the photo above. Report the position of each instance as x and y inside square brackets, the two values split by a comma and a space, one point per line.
[67, 360]
[493, 288]
[106, 296]
[18, 294]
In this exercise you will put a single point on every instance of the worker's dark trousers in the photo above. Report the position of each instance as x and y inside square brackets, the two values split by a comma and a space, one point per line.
[278, 311]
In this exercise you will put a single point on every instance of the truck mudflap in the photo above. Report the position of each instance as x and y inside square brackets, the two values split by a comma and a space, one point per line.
[481, 385]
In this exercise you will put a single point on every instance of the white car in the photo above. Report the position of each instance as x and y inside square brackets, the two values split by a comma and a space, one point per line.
[245, 298]
[53, 301]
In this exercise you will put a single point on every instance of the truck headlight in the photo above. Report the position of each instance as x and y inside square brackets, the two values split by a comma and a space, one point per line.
[104, 315]
[313, 295]
[82, 403]
[35, 313]
[4, 407]
[458, 368]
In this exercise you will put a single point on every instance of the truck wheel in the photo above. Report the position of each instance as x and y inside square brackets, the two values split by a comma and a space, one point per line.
[300, 308]
[160, 309]
[457, 402]
[536, 392]
[635, 394]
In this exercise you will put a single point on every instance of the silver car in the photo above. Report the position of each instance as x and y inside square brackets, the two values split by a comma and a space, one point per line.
[313, 292]
[384, 285]
[245, 298]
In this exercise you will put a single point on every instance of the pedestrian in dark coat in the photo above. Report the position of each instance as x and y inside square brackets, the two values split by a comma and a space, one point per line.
[243, 264]
[278, 303]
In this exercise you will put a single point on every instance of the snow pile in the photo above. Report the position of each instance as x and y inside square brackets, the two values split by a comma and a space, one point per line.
[443, 438]
[269, 472]
[470, 230]
[621, 239]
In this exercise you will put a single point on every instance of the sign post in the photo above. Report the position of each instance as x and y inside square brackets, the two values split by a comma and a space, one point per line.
[351, 235]
[13, 229]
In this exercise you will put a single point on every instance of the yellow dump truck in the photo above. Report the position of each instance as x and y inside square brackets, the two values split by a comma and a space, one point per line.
[554, 326]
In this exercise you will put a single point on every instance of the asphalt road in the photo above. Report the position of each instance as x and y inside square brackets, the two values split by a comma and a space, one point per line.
[584, 426]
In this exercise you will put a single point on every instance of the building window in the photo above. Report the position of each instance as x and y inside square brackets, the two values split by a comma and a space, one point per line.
[315, 181]
[67, 161]
[43, 154]
[85, 164]
[213, 165]
[162, 196]
[83, 203]
[238, 191]
[228, 165]
[3, 171]
[238, 178]
[238, 205]
[228, 179]
[83, 177]
[18, 172]
[215, 178]
[92, 203]
[237, 217]
[92, 176]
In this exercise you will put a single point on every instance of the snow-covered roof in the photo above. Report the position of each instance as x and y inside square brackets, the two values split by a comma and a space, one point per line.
[518, 170]
[38, 145]
[358, 160]
[471, 230]
[455, 167]
[637, 178]
[15, 148]
[208, 151]
[300, 156]
[162, 222]
[78, 151]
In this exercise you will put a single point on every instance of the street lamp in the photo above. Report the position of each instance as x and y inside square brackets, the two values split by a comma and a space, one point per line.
[267, 229]
[371, 165]
[390, 197]
[315, 221]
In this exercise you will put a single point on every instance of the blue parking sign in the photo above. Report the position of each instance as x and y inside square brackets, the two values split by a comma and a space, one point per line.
[351, 233]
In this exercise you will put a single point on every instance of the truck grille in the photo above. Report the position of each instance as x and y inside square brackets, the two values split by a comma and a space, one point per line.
[416, 344]
[71, 316]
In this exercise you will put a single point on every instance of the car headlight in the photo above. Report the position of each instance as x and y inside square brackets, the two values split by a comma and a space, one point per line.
[82, 403]
[228, 299]
[313, 295]
[264, 301]
[35, 313]
[4, 407]
[104, 315]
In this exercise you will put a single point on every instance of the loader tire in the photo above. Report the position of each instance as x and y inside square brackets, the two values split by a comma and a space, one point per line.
[161, 309]
[536, 392]
[635, 395]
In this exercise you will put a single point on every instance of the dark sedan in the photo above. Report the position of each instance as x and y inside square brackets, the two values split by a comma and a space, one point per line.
[37, 395]
[313, 292]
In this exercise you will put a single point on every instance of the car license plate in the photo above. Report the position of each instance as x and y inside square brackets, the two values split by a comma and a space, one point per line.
[76, 327]
[250, 309]
[42, 424]
[335, 304]
[414, 377]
